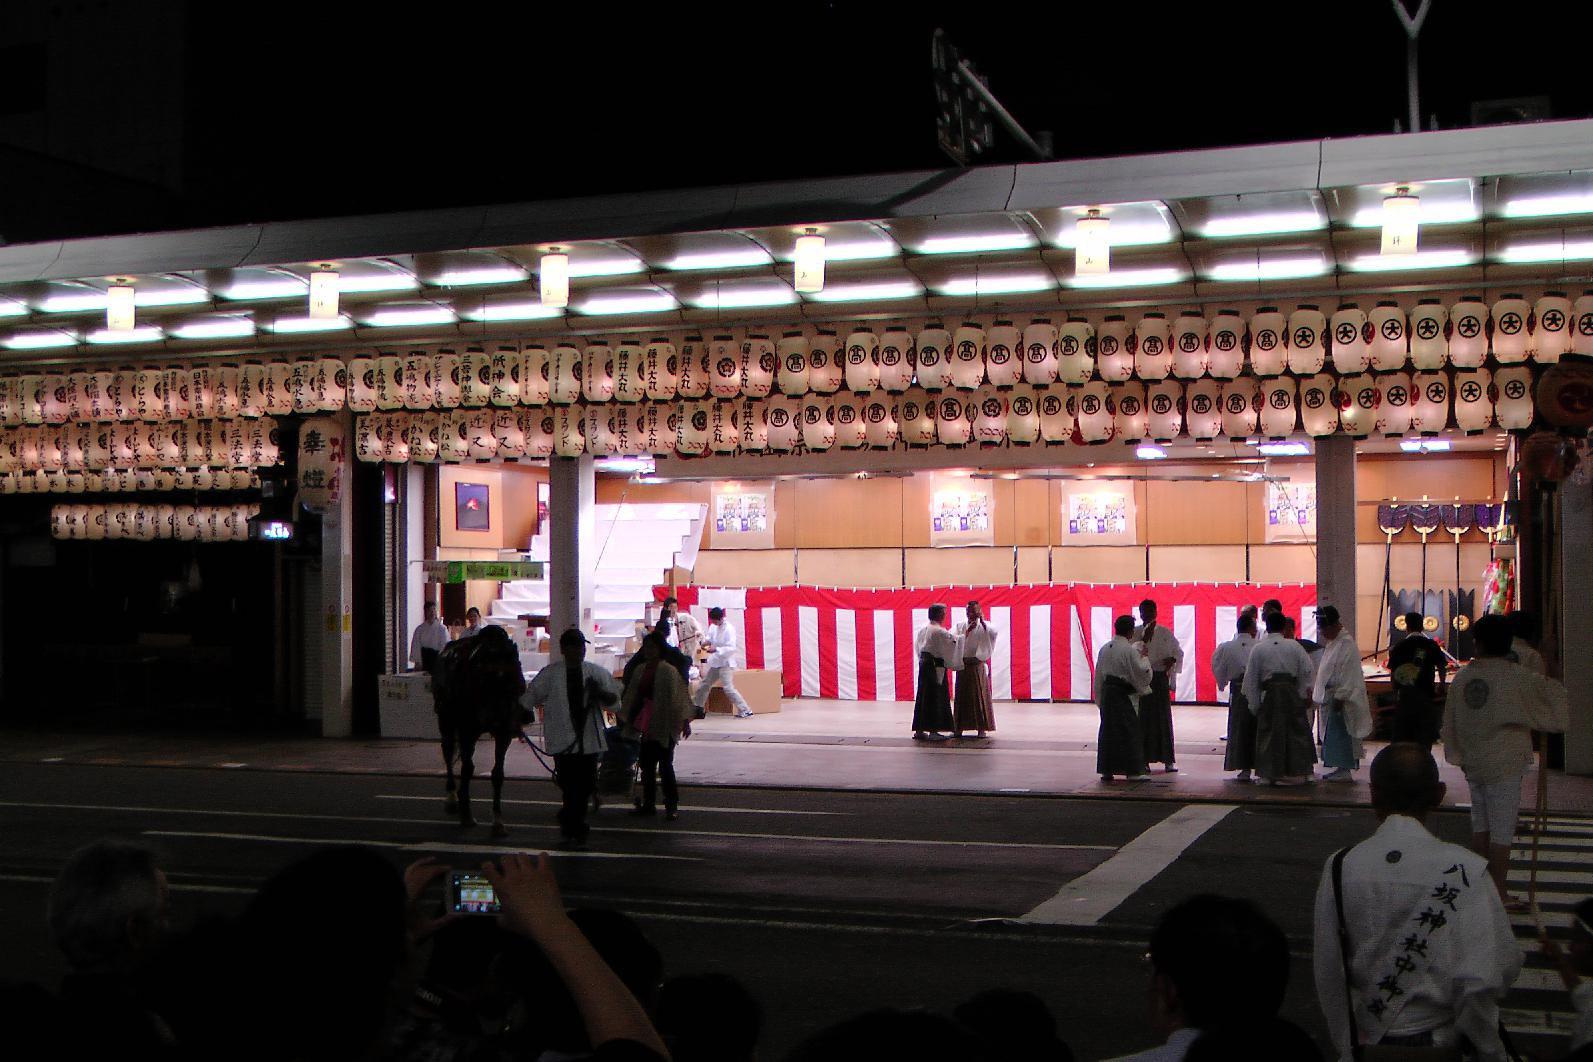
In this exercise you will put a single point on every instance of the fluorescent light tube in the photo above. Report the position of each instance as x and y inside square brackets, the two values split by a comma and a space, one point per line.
[996, 241]
[740, 259]
[1130, 278]
[998, 285]
[1263, 224]
[656, 302]
[1273, 269]
[220, 329]
[868, 292]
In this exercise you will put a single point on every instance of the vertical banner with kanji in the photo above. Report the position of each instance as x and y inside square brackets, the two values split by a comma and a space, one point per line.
[323, 451]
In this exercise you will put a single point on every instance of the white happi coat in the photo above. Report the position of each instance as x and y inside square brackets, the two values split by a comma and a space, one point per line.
[550, 689]
[720, 641]
[1492, 707]
[1527, 656]
[978, 642]
[1228, 663]
[1121, 659]
[1340, 680]
[1275, 655]
[1431, 945]
[1163, 644]
[433, 636]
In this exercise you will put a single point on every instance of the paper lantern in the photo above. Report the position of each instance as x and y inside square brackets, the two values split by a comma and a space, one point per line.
[1164, 403]
[752, 422]
[1396, 404]
[149, 395]
[535, 363]
[77, 406]
[990, 416]
[1241, 407]
[118, 522]
[1468, 326]
[81, 517]
[1074, 359]
[305, 399]
[331, 383]
[568, 437]
[792, 354]
[505, 429]
[8, 483]
[1473, 400]
[1357, 400]
[851, 431]
[1582, 324]
[1306, 340]
[1042, 343]
[1387, 347]
[1203, 409]
[952, 424]
[1130, 414]
[626, 418]
[1429, 335]
[204, 479]
[1350, 336]
[1023, 416]
[52, 447]
[78, 439]
[368, 437]
[422, 436]
[758, 365]
[1278, 412]
[691, 428]
[506, 365]
[1153, 355]
[185, 523]
[108, 523]
[564, 385]
[537, 425]
[724, 360]
[10, 453]
[599, 430]
[1093, 409]
[126, 480]
[475, 378]
[880, 427]
[1189, 345]
[96, 396]
[696, 373]
[204, 530]
[216, 524]
[597, 373]
[915, 417]
[968, 356]
[443, 375]
[145, 527]
[96, 452]
[253, 385]
[27, 482]
[1429, 402]
[783, 416]
[1511, 335]
[278, 389]
[237, 437]
[165, 522]
[722, 435]
[1550, 325]
[52, 399]
[1268, 350]
[1225, 357]
[934, 357]
[10, 401]
[361, 395]
[124, 385]
[395, 437]
[1319, 413]
[414, 381]
[660, 427]
[169, 450]
[1004, 354]
[897, 359]
[1114, 358]
[1513, 397]
[55, 481]
[225, 380]
[630, 371]
[58, 522]
[660, 369]
[268, 446]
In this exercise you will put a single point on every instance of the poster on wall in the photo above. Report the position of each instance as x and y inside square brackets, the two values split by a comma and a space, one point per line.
[1097, 515]
[1291, 511]
[472, 508]
[743, 516]
[961, 511]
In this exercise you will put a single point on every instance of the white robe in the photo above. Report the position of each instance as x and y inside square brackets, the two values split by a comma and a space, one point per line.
[433, 636]
[1121, 659]
[1275, 655]
[1163, 644]
[979, 642]
[1228, 662]
[1340, 680]
[938, 642]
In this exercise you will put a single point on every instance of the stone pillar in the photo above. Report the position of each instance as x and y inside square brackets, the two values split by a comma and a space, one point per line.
[412, 517]
[1576, 622]
[1335, 527]
[572, 545]
[337, 608]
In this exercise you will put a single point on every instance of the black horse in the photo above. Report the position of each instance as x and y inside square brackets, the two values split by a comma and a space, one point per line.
[476, 686]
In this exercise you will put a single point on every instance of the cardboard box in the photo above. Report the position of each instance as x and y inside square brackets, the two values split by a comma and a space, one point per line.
[761, 689]
[405, 706]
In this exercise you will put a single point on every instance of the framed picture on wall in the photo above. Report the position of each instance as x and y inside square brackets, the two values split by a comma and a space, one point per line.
[472, 507]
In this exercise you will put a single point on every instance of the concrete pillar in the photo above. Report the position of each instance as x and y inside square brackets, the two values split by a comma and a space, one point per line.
[337, 608]
[1335, 527]
[1576, 621]
[412, 536]
[572, 545]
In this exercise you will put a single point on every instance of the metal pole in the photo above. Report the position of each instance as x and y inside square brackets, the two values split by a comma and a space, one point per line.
[1001, 112]
[1413, 28]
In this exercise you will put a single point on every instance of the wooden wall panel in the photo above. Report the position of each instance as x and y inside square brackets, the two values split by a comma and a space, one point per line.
[1442, 478]
[1182, 513]
[1197, 564]
[878, 568]
[520, 504]
[1034, 515]
[1098, 564]
[917, 493]
[1004, 522]
[745, 567]
[1283, 563]
[785, 514]
[448, 533]
[1034, 564]
[848, 513]
[965, 565]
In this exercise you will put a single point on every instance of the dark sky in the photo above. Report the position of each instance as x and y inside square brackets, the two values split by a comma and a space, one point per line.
[465, 102]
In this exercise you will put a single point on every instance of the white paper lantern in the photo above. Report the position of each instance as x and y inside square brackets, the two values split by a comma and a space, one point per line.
[76, 396]
[1189, 345]
[446, 390]
[535, 379]
[475, 378]
[123, 395]
[851, 431]
[1387, 348]
[1093, 408]
[1551, 326]
[1269, 354]
[305, 399]
[505, 429]
[934, 357]
[97, 396]
[59, 528]
[506, 368]
[661, 369]
[1306, 339]
[897, 359]
[1003, 360]
[1396, 405]
[480, 442]
[52, 398]
[1203, 409]
[915, 417]
[99, 521]
[8, 482]
[1164, 402]
[599, 429]
[568, 438]
[1429, 335]
[368, 437]
[361, 395]
[55, 481]
[169, 449]
[149, 394]
[10, 402]
[216, 524]
[82, 518]
[564, 386]
[752, 423]
[1319, 413]
[1241, 407]
[968, 356]
[653, 432]
[417, 386]
[78, 440]
[1278, 413]
[27, 482]
[630, 428]
[783, 415]
[1075, 353]
[279, 389]
[1225, 356]
[792, 352]
[253, 385]
[990, 416]
[53, 446]
[185, 522]
[1153, 355]
[1512, 397]
[225, 383]
[1130, 414]
[264, 446]
[144, 523]
[696, 373]
[238, 522]
[126, 481]
[1114, 358]
[952, 424]
[1350, 334]
[691, 428]
[204, 530]
[1042, 345]
[453, 436]
[722, 435]
[758, 365]
[1582, 325]
[423, 434]
[331, 384]
[597, 373]
[537, 424]
[1473, 400]
[237, 437]
[1468, 326]
[1023, 416]
[1430, 405]
[1357, 400]
[630, 371]
[1511, 334]
[725, 360]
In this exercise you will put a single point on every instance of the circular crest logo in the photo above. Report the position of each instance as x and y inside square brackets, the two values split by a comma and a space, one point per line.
[1151, 345]
[1553, 320]
[1236, 403]
[818, 359]
[1515, 389]
[1346, 333]
[1280, 399]
[891, 355]
[1437, 392]
[1510, 323]
[875, 413]
[910, 410]
[856, 355]
[1315, 398]
[999, 354]
[766, 363]
[1189, 342]
[1070, 346]
[1584, 324]
[1201, 404]
[1226, 340]
[1161, 404]
[1427, 328]
[779, 417]
[1023, 406]
[699, 420]
[991, 407]
[1092, 405]
[1469, 327]
[1397, 395]
[967, 351]
[1051, 405]
[1266, 339]
[1129, 405]
[846, 413]
[1108, 345]
[950, 409]
[1393, 328]
[1471, 391]
[1304, 337]
[795, 363]
[928, 356]
[726, 367]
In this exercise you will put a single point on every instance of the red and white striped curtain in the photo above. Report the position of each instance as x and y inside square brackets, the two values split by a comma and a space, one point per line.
[858, 644]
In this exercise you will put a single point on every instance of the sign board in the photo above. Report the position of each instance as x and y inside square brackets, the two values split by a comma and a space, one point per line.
[961, 511]
[1291, 510]
[743, 516]
[484, 571]
[1094, 514]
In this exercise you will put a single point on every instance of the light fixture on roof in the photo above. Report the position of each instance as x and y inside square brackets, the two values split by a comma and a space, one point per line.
[323, 292]
[1400, 224]
[119, 314]
[1284, 449]
[810, 262]
[108, 335]
[1424, 446]
[1148, 452]
[1092, 255]
[39, 340]
[553, 274]
[1131, 278]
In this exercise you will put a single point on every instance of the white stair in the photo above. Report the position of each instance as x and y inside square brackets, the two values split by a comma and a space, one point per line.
[635, 546]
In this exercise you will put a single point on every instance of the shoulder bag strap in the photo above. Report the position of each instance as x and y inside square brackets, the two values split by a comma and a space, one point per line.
[1344, 949]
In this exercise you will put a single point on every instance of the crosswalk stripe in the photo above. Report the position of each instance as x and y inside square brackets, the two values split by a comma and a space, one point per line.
[1535, 979]
[403, 846]
[623, 800]
[1538, 1022]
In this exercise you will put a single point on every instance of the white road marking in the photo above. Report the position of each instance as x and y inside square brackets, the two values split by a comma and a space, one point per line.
[422, 846]
[1534, 979]
[1554, 841]
[683, 807]
[1538, 1022]
[232, 765]
[52, 759]
[174, 886]
[1087, 899]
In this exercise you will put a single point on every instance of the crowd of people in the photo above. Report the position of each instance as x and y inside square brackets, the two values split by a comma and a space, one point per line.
[1412, 950]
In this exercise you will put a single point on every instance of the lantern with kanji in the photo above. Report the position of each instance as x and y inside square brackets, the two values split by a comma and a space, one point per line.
[1240, 407]
[783, 415]
[507, 365]
[368, 437]
[597, 373]
[659, 425]
[253, 385]
[1114, 347]
[953, 427]
[1269, 353]
[1473, 400]
[1041, 350]
[934, 357]
[1396, 404]
[1429, 335]
[122, 392]
[1092, 409]
[98, 396]
[1023, 416]
[1278, 412]
[1468, 326]
[1511, 337]
[851, 431]
[968, 356]
[879, 421]
[506, 429]
[535, 365]
[389, 382]
[1075, 354]
[1387, 349]
[792, 351]
[599, 429]
[1318, 413]
[916, 417]
[422, 436]
[1225, 355]
[1582, 324]
[568, 438]
[1131, 415]
[564, 386]
[362, 385]
[1551, 325]
[722, 435]
[1164, 402]
[475, 378]
[1153, 356]
[661, 369]
[1356, 399]
[630, 371]
[537, 425]
[302, 385]
[1004, 354]
[691, 436]
[818, 422]
[52, 399]
[444, 374]
[417, 388]
[627, 418]
[149, 390]
[1306, 339]
[395, 437]
[990, 416]
[1203, 409]
[331, 384]
[758, 365]
[1189, 345]
[225, 384]
[322, 452]
[897, 358]
[862, 361]
[724, 360]
[1350, 332]
[695, 371]
[1429, 402]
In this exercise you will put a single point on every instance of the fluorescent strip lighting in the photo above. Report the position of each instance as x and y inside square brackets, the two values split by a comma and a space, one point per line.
[39, 340]
[636, 465]
[1130, 278]
[1124, 234]
[1450, 212]
[296, 325]
[223, 329]
[605, 267]
[860, 251]
[410, 316]
[1284, 449]
[1003, 241]
[1263, 224]
[9, 308]
[516, 311]
[1546, 206]
[1377, 263]
[1147, 452]
[809, 273]
[276, 288]
[656, 302]
[890, 289]
[119, 313]
[1558, 251]
[73, 302]
[1424, 446]
[374, 283]
[745, 298]
[1008, 285]
[105, 336]
[173, 296]
[464, 278]
[750, 256]
[1275, 269]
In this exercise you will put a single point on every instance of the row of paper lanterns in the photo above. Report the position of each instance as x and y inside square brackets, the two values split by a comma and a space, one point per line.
[1304, 341]
[1389, 404]
[140, 522]
[128, 481]
[210, 444]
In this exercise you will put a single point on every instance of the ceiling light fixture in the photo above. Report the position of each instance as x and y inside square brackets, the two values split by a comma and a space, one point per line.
[1273, 269]
[280, 287]
[39, 340]
[553, 274]
[810, 262]
[1092, 253]
[1147, 452]
[323, 292]
[995, 241]
[410, 316]
[1547, 206]
[119, 313]
[869, 292]
[997, 285]
[1401, 222]
[215, 328]
[144, 334]
[1557, 251]
[296, 325]
[515, 311]
[654, 302]
[1263, 224]
[471, 277]
[741, 259]
[1376, 263]
[1284, 449]
[1424, 446]
[1130, 278]
[744, 297]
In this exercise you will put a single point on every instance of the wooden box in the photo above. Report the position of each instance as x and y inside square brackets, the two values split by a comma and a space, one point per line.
[760, 688]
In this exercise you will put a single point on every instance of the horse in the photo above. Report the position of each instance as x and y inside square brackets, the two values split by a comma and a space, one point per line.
[476, 688]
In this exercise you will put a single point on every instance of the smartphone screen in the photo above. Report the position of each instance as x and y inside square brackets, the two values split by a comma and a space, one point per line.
[471, 894]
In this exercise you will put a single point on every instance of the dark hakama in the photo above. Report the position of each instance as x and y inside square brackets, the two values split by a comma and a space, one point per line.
[1117, 746]
[973, 708]
[1283, 736]
[932, 706]
[1156, 721]
[1241, 752]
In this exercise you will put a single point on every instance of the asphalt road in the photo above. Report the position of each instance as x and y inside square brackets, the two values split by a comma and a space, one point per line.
[824, 903]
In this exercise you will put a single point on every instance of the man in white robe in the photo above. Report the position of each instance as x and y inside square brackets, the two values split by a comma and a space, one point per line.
[935, 651]
[1431, 950]
[1166, 659]
[1228, 668]
[1277, 689]
[720, 667]
[428, 639]
[1122, 676]
[973, 708]
[1340, 695]
[573, 693]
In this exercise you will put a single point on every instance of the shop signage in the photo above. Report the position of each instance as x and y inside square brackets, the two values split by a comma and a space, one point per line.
[483, 571]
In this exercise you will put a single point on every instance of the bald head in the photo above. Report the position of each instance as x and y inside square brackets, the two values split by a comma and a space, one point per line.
[1405, 781]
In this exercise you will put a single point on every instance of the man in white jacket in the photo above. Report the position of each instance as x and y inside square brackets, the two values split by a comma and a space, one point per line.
[573, 692]
[1340, 695]
[720, 669]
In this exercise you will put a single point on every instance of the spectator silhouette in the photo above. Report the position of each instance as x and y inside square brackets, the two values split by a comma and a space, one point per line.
[1014, 1026]
[709, 1017]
